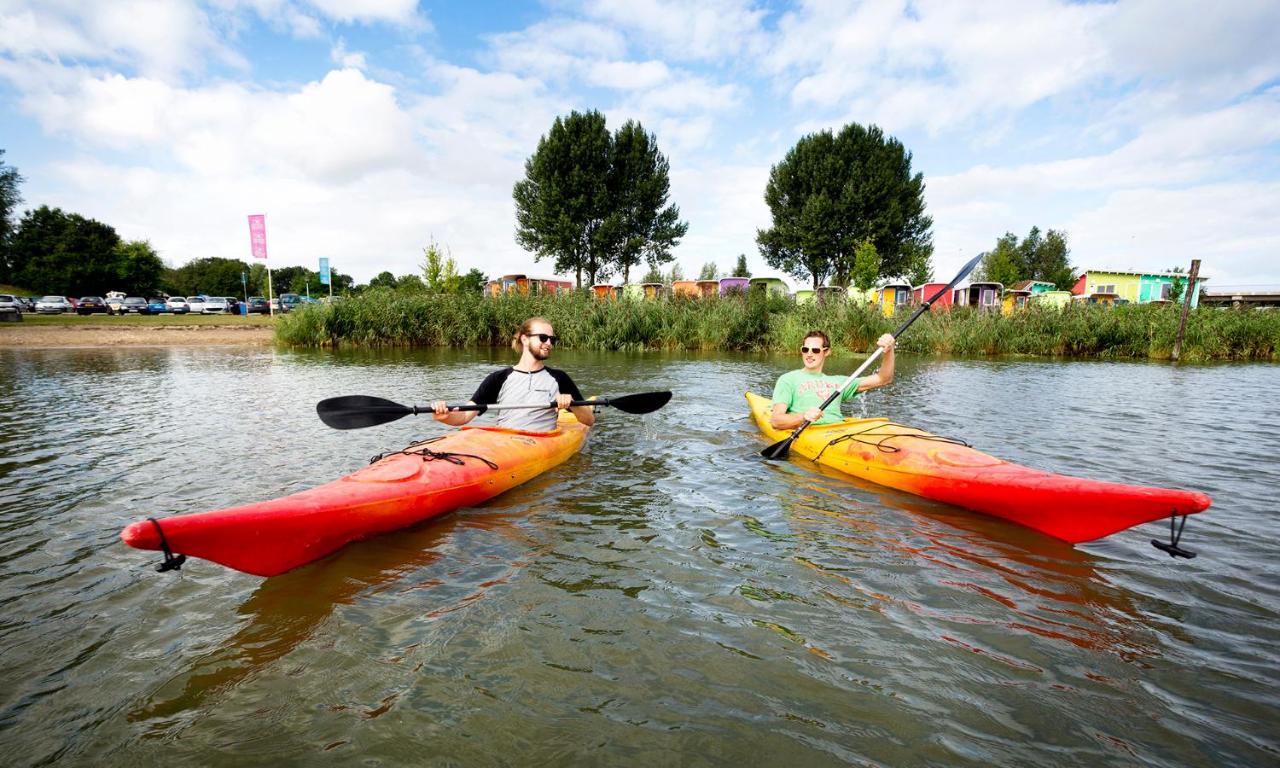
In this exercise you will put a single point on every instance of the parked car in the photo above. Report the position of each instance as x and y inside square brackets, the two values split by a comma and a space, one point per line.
[275, 304]
[178, 305]
[30, 302]
[90, 304]
[233, 305]
[214, 305]
[115, 305]
[135, 304]
[196, 304]
[54, 305]
[258, 305]
[155, 307]
[10, 303]
[290, 302]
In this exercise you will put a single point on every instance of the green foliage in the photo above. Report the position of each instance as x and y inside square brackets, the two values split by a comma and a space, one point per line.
[741, 269]
[595, 202]
[10, 199]
[212, 276]
[1037, 257]
[384, 279]
[708, 271]
[759, 322]
[654, 275]
[832, 192]
[64, 253]
[139, 269]
[1178, 285]
[866, 265]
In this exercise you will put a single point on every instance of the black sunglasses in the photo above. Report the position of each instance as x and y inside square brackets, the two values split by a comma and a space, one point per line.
[814, 350]
[543, 337]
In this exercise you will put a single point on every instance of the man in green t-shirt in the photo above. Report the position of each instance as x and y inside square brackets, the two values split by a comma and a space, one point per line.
[798, 394]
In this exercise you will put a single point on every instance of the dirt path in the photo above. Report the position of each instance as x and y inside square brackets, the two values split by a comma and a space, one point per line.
[37, 336]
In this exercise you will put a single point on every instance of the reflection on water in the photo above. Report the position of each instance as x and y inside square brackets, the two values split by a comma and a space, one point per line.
[664, 597]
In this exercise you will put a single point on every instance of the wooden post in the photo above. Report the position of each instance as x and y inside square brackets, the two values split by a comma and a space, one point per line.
[1186, 306]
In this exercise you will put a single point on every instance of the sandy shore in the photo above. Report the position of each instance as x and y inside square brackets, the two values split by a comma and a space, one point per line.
[37, 336]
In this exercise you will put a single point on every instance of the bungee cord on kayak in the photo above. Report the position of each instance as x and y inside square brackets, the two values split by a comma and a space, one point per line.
[419, 449]
[171, 563]
[882, 443]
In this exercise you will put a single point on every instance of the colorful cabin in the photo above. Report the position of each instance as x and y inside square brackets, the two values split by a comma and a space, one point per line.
[831, 293]
[549, 285]
[893, 296]
[1105, 299]
[1014, 299]
[1036, 287]
[1136, 287]
[770, 285]
[982, 296]
[493, 288]
[515, 284]
[651, 290]
[804, 296]
[1055, 299]
[604, 291]
[685, 288]
[923, 292]
[730, 285]
[708, 287]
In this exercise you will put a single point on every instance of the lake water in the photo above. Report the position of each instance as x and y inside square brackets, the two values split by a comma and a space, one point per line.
[664, 598]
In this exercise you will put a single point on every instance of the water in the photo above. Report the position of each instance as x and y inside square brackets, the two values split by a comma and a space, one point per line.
[664, 598]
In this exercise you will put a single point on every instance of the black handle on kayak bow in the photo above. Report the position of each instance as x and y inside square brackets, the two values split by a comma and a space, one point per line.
[780, 449]
[359, 411]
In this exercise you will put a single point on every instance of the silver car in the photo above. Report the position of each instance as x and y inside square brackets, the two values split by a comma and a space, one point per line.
[177, 305]
[215, 305]
[10, 303]
[54, 305]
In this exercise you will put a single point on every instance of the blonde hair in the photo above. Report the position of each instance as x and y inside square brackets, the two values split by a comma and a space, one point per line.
[525, 329]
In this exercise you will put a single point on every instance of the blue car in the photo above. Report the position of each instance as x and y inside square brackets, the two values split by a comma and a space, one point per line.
[155, 307]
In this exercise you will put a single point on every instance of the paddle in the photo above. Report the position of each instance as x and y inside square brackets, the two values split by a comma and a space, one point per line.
[780, 449]
[359, 411]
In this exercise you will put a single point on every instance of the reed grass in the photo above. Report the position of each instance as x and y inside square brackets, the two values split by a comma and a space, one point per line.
[756, 322]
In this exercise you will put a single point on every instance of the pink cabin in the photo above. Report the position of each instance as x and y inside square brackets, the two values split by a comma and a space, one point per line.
[734, 284]
[550, 285]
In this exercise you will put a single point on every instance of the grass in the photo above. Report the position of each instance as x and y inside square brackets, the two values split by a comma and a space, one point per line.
[384, 318]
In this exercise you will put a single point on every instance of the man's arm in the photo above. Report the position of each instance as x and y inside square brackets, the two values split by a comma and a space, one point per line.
[452, 418]
[885, 375]
[585, 414]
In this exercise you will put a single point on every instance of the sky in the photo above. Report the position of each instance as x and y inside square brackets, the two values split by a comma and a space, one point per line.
[1146, 130]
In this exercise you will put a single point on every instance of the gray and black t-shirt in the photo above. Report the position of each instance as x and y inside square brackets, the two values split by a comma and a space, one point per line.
[509, 386]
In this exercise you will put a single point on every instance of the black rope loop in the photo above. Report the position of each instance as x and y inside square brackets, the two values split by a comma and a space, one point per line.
[170, 563]
[1175, 538]
[882, 443]
[420, 449]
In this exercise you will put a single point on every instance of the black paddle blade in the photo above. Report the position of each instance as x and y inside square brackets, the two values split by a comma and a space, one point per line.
[359, 411]
[780, 449]
[645, 402]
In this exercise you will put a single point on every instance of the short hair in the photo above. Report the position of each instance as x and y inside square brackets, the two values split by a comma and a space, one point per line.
[826, 342]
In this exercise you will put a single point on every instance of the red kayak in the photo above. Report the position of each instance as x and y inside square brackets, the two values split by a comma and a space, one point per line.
[1073, 509]
[428, 479]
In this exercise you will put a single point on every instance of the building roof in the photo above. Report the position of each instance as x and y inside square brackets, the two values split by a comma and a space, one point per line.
[1084, 272]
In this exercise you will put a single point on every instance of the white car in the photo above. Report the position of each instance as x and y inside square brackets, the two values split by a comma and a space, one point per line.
[54, 305]
[215, 305]
[177, 305]
[196, 304]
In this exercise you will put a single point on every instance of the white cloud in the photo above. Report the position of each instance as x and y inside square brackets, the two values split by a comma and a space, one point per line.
[706, 30]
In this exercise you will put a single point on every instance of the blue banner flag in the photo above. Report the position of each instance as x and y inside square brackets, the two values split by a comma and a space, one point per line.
[324, 270]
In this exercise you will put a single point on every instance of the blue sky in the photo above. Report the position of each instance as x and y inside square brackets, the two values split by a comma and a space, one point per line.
[1148, 131]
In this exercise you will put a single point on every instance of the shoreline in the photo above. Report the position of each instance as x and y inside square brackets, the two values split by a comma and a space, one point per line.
[22, 336]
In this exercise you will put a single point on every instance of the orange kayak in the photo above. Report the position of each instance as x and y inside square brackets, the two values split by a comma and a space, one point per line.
[1069, 508]
[428, 479]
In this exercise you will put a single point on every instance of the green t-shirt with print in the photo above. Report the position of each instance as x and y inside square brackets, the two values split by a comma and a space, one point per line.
[801, 390]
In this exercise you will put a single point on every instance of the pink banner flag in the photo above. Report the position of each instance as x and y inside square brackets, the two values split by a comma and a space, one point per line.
[258, 235]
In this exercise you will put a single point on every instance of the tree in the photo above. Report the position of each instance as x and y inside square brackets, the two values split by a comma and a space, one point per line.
[1178, 285]
[472, 282]
[832, 192]
[139, 269]
[595, 202]
[384, 279]
[654, 275]
[919, 265]
[52, 251]
[1004, 264]
[640, 224]
[1052, 261]
[676, 273]
[741, 269]
[217, 276]
[708, 272]
[562, 203]
[10, 199]
[866, 266]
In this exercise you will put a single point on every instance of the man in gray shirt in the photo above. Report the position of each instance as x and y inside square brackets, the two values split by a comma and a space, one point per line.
[529, 382]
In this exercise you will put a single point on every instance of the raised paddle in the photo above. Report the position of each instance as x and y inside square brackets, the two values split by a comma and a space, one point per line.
[780, 449]
[358, 411]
